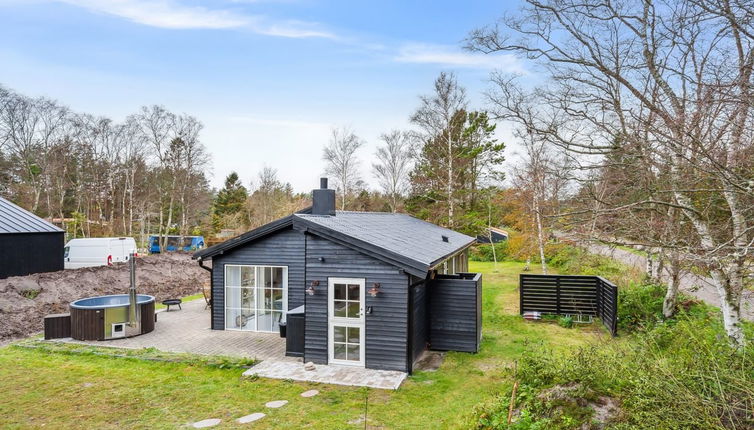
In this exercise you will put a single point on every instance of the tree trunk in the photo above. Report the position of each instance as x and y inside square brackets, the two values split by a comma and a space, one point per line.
[540, 234]
[729, 288]
[451, 208]
[671, 296]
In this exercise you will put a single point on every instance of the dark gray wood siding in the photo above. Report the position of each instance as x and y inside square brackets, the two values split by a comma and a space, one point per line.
[387, 325]
[24, 253]
[284, 248]
[419, 315]
[455, 311]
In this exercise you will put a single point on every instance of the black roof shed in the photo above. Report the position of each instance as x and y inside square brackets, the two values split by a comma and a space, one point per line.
[28, 244]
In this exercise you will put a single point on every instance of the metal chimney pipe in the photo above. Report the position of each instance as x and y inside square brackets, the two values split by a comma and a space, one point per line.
[322, 183]
[133, 308]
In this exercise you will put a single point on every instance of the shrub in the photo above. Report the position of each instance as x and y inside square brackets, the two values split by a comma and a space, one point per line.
[575, 261]
[483, 252]
[640, 306]
[566, 322]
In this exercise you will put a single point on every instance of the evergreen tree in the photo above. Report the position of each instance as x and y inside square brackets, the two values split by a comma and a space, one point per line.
[230, 200]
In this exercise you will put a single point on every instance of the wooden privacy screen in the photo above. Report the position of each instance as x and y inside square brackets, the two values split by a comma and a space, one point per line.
[455, 312]
[570, 295]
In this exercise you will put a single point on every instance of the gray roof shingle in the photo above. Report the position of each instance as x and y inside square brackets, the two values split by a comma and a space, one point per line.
[14, 219]
[401, 234]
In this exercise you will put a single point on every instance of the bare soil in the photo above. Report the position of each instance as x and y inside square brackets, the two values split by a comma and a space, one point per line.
[25, 300]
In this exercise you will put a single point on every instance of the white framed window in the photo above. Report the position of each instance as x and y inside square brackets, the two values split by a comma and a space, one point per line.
[256, 297]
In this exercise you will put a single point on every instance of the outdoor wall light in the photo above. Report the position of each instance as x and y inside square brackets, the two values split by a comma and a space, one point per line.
[374, 290]
[310, 289]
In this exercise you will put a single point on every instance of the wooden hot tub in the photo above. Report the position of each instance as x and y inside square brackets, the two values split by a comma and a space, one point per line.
[106, 317]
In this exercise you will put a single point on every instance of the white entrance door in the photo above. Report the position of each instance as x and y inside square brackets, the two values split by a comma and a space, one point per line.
[345, 299]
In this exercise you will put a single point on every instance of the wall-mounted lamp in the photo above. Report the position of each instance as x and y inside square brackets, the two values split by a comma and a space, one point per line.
[310, 289]
[374, 290]
[321, 259]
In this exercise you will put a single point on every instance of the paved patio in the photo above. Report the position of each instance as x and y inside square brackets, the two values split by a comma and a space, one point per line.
[188, 330]
[329, 374]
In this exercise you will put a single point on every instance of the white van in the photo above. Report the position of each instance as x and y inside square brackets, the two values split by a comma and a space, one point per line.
[99, 251]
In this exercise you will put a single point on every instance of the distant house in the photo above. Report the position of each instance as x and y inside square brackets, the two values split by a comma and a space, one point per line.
[492, 235]
[374, 289]
[28, 244]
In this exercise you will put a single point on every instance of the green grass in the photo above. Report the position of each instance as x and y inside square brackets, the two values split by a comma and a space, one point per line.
[63, 390]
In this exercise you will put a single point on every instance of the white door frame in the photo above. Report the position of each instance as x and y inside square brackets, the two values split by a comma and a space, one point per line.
[332, 321]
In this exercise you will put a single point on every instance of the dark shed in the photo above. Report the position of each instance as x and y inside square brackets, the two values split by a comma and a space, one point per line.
[28, 244]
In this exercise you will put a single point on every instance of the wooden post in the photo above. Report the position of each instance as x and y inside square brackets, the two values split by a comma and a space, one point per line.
[521, 294]
[557, 295]
[598, 299]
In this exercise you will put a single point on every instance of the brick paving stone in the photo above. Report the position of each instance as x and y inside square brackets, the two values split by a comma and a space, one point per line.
[329, 374]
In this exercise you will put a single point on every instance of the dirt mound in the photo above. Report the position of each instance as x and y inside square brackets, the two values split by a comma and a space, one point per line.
[25, 300]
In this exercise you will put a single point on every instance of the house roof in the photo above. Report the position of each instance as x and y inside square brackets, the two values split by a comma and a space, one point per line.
[400, 239]
[14, 219]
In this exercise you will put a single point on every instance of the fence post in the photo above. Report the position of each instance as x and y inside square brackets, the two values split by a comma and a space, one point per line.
[557, 295]
[599, 287]
[521, 293]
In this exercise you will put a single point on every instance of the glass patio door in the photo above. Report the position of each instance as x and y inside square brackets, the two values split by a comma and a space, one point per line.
[346, 321]
[255, 297]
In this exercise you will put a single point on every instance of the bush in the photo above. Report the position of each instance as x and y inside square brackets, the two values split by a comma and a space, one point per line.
[565, 322]
[570, 260]
[640, 306]
[483, 252]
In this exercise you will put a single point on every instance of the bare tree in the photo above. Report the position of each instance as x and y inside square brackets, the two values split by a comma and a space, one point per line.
[435, 117]
[675, 81]
[393, 165]
[342, 163]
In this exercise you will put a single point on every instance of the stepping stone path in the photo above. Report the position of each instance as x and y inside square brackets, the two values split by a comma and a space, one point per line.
[310, 393]
[206, 423]
[276, 404]
[250, 418]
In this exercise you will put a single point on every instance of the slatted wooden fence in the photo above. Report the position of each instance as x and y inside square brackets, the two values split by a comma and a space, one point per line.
[570, 295]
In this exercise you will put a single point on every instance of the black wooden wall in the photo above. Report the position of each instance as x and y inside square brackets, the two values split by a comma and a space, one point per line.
[455, 312]
[284, 248]
[419, 320]
[386, 326]
[25, 253]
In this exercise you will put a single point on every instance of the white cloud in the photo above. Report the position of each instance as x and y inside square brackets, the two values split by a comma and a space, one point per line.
[444, 55]
[171, 14]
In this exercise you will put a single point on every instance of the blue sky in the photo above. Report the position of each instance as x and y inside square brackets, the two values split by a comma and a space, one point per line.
[268, 79]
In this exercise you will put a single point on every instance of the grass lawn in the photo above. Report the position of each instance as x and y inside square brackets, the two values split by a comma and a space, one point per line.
[54, 390]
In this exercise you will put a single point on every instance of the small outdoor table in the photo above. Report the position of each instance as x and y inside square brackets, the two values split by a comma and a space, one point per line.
[172, 302]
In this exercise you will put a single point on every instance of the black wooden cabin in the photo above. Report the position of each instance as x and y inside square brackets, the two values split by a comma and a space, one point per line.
[28, 244]
[377, 289]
